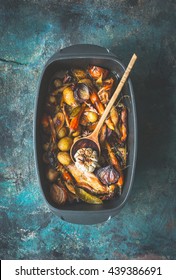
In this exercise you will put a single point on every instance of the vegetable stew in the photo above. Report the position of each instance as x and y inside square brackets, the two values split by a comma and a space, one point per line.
[75, 101]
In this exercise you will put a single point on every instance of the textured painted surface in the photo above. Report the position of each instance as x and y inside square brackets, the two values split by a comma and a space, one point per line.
[30, 33]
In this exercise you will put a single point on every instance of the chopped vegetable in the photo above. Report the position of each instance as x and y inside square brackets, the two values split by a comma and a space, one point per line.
[81, 93]
[65, 144]
[64, 158]
[75, 103]
[69, 98]
[87, 197]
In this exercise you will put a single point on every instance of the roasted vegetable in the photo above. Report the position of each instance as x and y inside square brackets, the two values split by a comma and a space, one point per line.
[123, 126]
[62, 132]
[97, 72]
[68, 78]
[75, 103]
[57, 83]
[64, 158]
[123, 155]
[59, 120]
[87, 197]
[87, 178]
[105, 91]
[77, 132]
[69, 98]
[100, 108]
[75, 120]
[81, 93]
[92, 116]
[58, 193]
[94, 98]
[103, 134]
[87, 82]
[114, 161]
[52, 100]
[52, 174]
[75, 111]
[79, 74]
[65, 143]
[53, 131]
[108, 175]
[114, 116]
[67, 120]
[86, 159]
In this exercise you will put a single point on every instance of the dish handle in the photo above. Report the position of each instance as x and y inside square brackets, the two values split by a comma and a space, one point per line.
[82, 218]
[81, 49]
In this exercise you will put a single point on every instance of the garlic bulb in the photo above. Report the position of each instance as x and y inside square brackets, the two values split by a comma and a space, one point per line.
[108, 175]
[86, 159]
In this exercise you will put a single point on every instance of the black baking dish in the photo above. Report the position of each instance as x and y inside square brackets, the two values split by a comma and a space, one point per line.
[74, 57]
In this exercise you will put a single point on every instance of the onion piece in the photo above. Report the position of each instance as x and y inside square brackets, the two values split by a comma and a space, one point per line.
[81, 92]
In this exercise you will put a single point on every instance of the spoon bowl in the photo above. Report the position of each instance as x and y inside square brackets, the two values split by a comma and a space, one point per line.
[84, 142]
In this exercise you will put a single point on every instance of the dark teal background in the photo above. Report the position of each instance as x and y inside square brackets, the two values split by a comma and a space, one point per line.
[31, 31]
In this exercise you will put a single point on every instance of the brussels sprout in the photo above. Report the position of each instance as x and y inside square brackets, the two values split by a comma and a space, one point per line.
[87, 82]
[81, 92]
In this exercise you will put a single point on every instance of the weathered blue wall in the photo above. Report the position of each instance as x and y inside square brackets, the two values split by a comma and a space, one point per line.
[31, 31]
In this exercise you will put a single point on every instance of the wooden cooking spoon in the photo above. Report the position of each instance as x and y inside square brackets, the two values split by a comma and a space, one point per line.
[92, 141]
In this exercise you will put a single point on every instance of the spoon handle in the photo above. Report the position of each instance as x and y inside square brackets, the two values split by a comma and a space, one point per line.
[114, 97]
